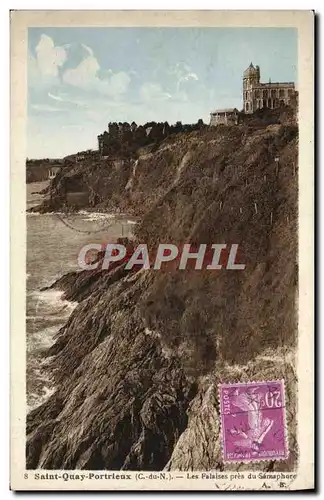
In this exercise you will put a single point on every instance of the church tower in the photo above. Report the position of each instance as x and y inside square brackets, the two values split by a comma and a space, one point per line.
[251, 78]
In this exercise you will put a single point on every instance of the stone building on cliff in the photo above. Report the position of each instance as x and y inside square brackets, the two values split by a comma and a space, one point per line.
[228, 116]
[257, 95]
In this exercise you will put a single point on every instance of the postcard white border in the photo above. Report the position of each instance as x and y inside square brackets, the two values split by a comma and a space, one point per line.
[304, 22]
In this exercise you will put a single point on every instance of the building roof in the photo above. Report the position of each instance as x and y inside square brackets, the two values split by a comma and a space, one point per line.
[275, 84]
[251, 70]
[225, 110]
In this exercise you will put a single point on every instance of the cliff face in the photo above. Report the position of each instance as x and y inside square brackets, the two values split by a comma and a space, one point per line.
[138, 363]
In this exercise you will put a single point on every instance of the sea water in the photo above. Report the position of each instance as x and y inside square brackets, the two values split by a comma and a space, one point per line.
[53, 243]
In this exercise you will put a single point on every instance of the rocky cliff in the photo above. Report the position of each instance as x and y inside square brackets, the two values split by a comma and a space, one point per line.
[138, 362]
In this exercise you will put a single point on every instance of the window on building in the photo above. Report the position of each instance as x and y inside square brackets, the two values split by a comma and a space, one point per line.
[246, 106]
[281, 93]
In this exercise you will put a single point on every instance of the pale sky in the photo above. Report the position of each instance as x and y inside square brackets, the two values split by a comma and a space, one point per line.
[79, 79]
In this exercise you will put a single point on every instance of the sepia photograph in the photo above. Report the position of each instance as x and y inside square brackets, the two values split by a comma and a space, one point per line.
[161, 176]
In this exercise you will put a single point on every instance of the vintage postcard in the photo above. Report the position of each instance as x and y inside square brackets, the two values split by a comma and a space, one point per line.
[162, 186]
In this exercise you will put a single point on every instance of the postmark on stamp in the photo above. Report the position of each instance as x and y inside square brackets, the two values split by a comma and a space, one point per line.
[253, 421]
